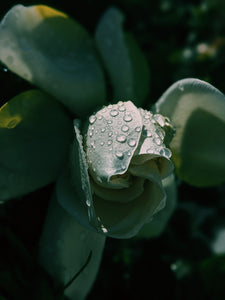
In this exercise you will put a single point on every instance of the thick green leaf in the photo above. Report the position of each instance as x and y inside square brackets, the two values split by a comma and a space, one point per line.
[124, 61]
[35, 134]
[50, 50]
[197, 110]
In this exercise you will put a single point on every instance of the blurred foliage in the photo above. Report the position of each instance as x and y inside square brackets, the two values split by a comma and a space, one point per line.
[179, 39]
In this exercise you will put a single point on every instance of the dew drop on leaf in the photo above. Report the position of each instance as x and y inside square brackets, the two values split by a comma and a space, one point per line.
[121, 138]
[132, 143]
[124, 128]
[119, 154]
[157, 141]
[114, 112]
[127, 118]
[92, 119]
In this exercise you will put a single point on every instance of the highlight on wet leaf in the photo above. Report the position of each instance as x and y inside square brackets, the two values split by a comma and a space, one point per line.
[197, 110]
[54, 52]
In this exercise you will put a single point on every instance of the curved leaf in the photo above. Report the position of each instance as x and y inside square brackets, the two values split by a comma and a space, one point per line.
[35, 134]
[127, 67]
[47, 48]
[63, 250]
[73, 186]
[160, 220]
[197, 110]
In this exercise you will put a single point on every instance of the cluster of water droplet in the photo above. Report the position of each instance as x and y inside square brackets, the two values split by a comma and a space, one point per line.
[112, 137]
[154, 134]
[118, 132]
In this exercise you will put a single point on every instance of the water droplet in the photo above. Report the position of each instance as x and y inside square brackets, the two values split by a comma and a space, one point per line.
[119, 154]
[123, 167]
[160, 133]
[127, 118]
[122, 108]
[104, 230]
[91, 133]
[147, 116]
[109, 142]
[124, 128]
[121, 138]
[93, 145]
[132, 143]
[159, 119]
[109, 121]
[114, 113]
[103, 130]
[104, 110]
[129, 153]
[88, 202]
[102, 143]
[150, 150]
[99, 179]
[138, 129]
[5, 69]
[157, 141]
[147, 132]
[110, 133]
[92, 119]
[165, 152]
[100, 117]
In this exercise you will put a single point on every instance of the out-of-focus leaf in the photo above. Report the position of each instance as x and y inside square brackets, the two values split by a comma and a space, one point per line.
[123, 59]
[35, 134]
[197, 110]
[52, 51]
[212, 272]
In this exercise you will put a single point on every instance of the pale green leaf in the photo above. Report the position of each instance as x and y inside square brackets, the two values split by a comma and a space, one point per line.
[197, 110]
[52, 51]
[160, 220]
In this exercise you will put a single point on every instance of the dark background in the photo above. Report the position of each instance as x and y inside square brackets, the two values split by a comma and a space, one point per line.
[179, 39]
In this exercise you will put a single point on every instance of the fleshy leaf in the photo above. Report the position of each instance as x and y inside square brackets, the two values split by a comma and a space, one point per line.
[124, 220]
[197, 110]
[127, 67]
[112, 138]
[73, 186]
[52, 51]
[159, 221]
[152, 143]
[35, 134]
[64, 248]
